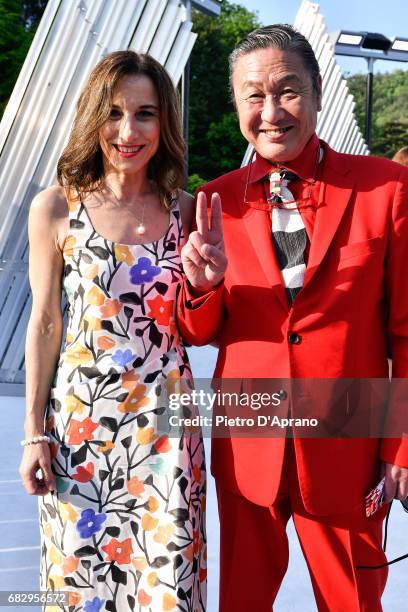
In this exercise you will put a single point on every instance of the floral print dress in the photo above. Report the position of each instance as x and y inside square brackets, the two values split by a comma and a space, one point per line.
[125, 529]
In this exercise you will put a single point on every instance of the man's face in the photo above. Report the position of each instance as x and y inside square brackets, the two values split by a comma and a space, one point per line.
[276, 103]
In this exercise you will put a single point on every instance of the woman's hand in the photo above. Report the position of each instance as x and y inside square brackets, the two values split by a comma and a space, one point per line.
[203, 256]
[37, 457]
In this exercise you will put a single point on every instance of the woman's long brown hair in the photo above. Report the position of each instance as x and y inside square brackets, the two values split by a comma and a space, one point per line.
[80, 166]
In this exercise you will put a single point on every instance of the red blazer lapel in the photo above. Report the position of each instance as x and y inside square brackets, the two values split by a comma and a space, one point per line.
[332, 202]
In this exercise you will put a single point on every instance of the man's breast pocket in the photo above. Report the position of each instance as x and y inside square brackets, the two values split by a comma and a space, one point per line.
[362, 250]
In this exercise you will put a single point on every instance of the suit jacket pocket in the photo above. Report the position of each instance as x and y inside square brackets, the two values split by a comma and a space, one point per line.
[356, 249]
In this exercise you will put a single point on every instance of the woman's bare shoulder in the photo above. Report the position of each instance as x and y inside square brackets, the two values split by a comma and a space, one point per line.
[51, 202]
[49, 215]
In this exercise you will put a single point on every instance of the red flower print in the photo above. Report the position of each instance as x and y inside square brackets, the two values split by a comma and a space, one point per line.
[84, 474]
[119, 551]
[160, 309]
[197, 474]
[79, 431]
[162, 445]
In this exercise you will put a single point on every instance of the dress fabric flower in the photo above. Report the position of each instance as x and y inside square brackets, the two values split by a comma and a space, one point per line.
[128, 500]
[144, 271]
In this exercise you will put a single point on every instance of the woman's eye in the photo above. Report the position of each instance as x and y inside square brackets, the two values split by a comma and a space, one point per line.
[114, 114]
[145, 114]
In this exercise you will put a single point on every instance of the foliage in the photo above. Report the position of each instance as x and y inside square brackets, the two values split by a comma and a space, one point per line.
[390, 103]
[194, 181]
[215, 144]
[18, 21]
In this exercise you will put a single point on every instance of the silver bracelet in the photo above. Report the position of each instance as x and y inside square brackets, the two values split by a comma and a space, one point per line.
[34, 440]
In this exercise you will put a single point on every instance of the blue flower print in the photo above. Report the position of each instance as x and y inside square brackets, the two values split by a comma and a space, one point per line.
[93, 606]
[90, 523]
[143, 272]
[122, 358]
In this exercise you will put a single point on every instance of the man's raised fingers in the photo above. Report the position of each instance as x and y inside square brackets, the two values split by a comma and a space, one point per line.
[216, 213]
[201, 214]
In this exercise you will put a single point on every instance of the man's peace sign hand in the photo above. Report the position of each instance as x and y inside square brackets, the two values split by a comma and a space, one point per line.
[203, 255]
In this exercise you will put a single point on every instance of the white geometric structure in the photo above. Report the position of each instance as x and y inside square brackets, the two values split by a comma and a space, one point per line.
[336, 123]
[72, 37]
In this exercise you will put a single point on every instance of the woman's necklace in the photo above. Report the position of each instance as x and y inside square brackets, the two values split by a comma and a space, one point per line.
[140, 228]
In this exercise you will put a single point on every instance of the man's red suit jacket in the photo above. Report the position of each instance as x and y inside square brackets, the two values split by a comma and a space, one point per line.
[353, 306]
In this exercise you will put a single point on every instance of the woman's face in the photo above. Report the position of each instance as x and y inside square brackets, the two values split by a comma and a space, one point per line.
[130, 137]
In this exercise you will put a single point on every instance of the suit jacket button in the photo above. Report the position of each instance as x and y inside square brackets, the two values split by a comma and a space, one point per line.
[294, 338]
[282, 394]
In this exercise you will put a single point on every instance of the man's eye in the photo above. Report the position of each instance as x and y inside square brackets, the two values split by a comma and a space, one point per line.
[288, 93]
[254, 97]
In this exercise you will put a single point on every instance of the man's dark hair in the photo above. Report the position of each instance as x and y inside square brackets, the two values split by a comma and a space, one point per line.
[278, 36]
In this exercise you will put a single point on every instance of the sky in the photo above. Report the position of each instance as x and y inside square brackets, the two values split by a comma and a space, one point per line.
[388, 17]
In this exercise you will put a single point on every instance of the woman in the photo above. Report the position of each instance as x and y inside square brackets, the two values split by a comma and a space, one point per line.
[121, 502]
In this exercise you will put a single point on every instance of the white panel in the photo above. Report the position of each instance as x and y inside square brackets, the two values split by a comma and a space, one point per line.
[72, 37]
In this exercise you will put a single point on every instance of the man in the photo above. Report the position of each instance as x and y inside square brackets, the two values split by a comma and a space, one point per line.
[401, 156]
[317, 245]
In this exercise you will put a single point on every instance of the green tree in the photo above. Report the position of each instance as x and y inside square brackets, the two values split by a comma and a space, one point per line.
[215, 143]
[390, 103]
[18, 22]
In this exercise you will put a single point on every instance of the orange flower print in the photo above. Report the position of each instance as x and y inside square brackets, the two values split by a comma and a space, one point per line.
[160, 309]
[119, 551]
[70, 564]
[202, 574]
[143, 598]
[110, 308]
[122, 253]
[169, 602]
[135, 486]
[79, 431]
[78, 355]
[152, 579]
[164, 533]
[146, 435]
[105, 447]
[105, 343]
[149, 522]
[173, 381]
[152, 504]
[90, 271]
[188, 553]
[135, 400]
[73, 404]
[90, 323]
[139, 563]
[95, 296]
[69, 245]
[129, 379]
[84, 474]
[74, 598]
[67, 512]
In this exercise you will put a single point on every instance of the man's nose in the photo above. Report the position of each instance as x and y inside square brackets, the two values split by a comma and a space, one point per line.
[272, 110]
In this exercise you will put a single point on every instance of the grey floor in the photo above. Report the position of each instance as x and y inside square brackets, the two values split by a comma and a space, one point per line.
[19, 539]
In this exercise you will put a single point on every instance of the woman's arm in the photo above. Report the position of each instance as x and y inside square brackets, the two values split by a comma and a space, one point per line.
[46, 227]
